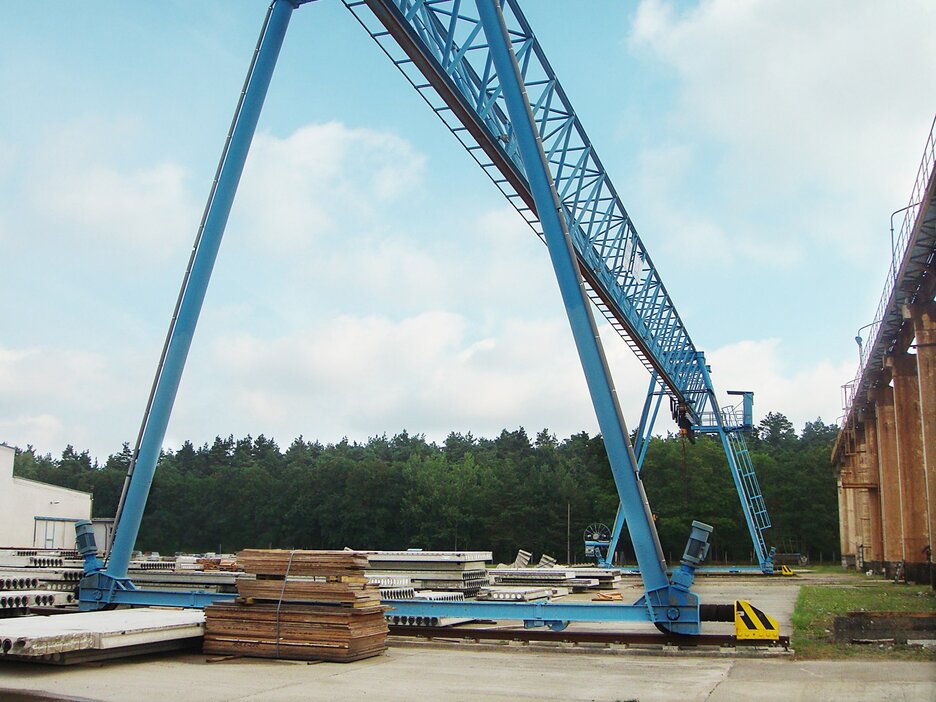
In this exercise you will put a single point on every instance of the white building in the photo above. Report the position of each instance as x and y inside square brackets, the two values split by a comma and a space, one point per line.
[36, 514]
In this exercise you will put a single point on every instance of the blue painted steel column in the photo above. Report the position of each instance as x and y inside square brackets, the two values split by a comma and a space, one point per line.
[644, 429]
[646, 421]
[616, 531]
[610, 418]
[194, 293]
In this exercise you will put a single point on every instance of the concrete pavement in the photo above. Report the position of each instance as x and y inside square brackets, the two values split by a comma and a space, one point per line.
[405, 674]
[510, 673]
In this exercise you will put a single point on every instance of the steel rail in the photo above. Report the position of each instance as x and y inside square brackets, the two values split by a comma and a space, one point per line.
[479, 634]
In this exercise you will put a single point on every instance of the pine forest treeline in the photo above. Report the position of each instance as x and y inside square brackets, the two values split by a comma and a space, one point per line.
[497, 494]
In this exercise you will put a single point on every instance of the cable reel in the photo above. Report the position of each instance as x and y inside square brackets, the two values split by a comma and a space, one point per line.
[597, 539]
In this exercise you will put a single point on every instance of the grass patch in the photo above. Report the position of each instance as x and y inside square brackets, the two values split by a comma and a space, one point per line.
[817, 606]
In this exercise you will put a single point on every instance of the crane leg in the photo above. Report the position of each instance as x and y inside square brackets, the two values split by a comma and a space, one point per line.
[188, 308]
[634, 504]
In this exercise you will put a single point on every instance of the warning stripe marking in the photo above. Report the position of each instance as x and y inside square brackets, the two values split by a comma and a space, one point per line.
[743, 615]
[753, 618]
[762, 618]
[753, 622]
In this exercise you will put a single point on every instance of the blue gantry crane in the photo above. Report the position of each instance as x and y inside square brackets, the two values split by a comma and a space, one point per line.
[481, 69]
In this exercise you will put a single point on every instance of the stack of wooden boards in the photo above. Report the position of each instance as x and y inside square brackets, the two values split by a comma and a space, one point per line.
[300, 605]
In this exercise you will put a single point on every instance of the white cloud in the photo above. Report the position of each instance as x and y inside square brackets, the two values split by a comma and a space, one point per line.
[323, 180]
[79, 193]
[825, 91]
[397, 269]
[802, 395]
[47, 372]
[143, 210]
[431, 373]
[41, 431]
[467, 332]
[358, 376]
[688, 234]
[811, 117]
[52, 397]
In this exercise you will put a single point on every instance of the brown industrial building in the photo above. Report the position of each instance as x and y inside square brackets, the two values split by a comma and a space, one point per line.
[885, 454]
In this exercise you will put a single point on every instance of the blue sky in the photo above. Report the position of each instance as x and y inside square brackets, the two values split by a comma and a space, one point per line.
[372, 279]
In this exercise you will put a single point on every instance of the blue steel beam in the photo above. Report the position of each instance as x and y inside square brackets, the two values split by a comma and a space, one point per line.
[449, 61]
[647, 420]
[679, 605]
[195, 285]
[539, 612]
[100, 592]
[597, 374]
[644, 430]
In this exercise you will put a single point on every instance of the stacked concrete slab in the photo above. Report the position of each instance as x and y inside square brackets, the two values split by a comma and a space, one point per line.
[574, 579]
[89, 636]
[464, 572]
[37, 578]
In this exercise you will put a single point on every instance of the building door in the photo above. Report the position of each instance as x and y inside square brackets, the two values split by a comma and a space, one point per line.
[49, 534]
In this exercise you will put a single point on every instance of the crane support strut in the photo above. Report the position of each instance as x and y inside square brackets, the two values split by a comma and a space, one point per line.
[191, 297]
[634, 502]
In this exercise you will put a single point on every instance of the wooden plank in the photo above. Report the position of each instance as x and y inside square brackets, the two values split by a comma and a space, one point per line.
[297, 590]
[300, 605]
[281, 561]
[295, 650]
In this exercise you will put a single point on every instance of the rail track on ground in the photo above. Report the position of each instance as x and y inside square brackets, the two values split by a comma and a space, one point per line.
[481, 634]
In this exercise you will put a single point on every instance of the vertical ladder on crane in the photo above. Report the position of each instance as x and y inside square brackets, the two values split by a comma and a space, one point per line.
[749, 491]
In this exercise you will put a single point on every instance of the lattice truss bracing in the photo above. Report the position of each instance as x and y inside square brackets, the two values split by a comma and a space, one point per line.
[441, 49]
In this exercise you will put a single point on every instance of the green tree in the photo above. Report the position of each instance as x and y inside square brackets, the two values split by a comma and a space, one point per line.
[500, 494]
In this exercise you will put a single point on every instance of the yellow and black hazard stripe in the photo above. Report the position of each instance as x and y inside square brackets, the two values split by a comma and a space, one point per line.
[751, 623]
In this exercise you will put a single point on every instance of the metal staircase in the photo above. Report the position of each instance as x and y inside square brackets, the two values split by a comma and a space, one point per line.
[748, 488]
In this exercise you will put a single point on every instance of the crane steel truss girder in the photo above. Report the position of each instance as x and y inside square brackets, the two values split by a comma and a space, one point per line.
[447, 58]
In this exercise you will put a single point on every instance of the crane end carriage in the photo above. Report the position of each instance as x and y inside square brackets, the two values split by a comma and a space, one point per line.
[99, 589]
[673, 608]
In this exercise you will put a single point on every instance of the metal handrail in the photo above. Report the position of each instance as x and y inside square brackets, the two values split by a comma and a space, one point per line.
[901, 243]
